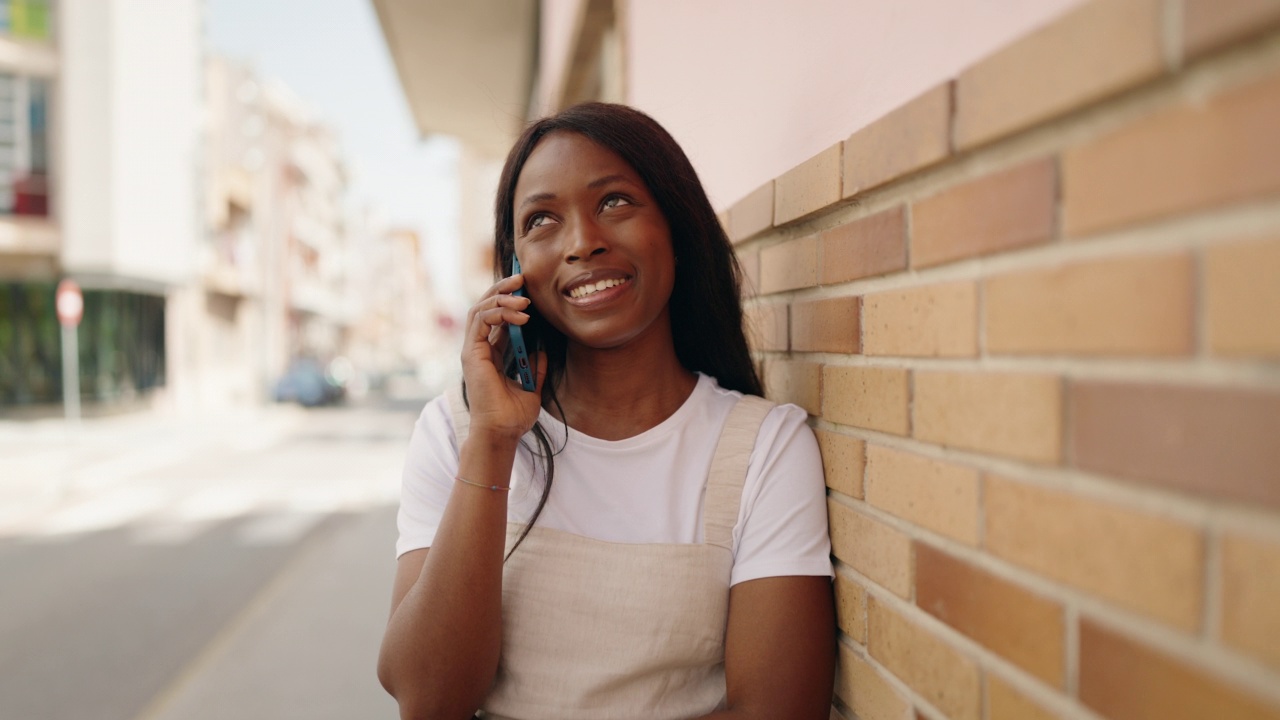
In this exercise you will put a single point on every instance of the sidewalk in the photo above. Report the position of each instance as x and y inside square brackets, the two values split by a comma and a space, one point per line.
[240, 565]
[48, 463]
[307, 646]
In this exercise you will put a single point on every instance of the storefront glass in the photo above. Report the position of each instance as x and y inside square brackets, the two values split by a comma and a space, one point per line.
[122, 348]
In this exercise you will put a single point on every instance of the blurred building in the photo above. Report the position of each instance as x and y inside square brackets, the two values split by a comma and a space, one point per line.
[276, 263]
[399, 323]
[483, 106]
[202, 210]
[99, 130]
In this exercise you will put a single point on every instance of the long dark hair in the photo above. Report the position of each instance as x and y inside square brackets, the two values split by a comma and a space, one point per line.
[705, 305]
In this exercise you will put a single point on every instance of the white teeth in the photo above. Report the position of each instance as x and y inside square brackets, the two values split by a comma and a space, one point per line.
[592, 288]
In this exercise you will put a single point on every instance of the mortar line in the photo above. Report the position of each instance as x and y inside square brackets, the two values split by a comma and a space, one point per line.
[1193, 650]
[986, 659]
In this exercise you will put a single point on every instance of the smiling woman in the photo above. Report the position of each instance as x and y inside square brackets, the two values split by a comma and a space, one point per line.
[595, 248]
[678, 566]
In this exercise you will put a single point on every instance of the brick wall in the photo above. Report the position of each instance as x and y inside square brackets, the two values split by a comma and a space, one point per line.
[1035, 315]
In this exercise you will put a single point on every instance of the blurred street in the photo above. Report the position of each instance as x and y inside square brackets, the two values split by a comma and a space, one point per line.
[236, 566]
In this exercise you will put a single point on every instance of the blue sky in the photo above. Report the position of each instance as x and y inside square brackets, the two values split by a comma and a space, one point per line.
[331, 53]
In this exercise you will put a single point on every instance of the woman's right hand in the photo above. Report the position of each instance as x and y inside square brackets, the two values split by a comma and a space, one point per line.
[499, 405]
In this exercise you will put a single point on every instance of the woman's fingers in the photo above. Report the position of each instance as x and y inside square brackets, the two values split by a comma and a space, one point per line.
[496, 311]
[495, 317]
[505, 286]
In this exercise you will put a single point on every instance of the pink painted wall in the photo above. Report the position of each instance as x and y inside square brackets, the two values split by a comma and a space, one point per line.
[752, 88]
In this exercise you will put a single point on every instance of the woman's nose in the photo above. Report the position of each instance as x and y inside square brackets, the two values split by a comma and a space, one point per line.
[585, 241]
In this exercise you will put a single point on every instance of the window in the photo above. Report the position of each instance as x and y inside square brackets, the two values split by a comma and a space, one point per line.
[25, 19]
[24, 145]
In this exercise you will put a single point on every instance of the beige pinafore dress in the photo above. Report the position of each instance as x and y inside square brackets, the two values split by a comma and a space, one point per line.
[596, 630]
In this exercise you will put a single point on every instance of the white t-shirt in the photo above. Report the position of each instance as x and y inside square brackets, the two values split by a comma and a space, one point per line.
[647, 488]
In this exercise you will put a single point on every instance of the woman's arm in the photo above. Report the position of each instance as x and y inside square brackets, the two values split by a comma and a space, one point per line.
[780, 651]
[440, 651]
[441, 647]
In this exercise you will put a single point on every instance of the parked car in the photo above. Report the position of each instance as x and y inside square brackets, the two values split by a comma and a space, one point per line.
[307, 383]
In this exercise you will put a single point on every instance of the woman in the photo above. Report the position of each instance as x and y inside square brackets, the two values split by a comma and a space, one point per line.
[667, 527]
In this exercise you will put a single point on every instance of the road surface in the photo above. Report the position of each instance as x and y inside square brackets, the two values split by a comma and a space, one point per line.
[236, 566]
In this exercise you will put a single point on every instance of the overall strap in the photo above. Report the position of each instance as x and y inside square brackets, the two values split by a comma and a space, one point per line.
[461, 416]
[729, 470]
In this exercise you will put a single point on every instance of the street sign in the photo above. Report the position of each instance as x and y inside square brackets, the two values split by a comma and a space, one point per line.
[70, 303]
[70, 306]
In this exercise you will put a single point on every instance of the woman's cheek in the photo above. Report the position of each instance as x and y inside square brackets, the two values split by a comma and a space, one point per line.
[541, 295]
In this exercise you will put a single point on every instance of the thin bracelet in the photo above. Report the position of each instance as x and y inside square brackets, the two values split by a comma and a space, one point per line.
[461, 479]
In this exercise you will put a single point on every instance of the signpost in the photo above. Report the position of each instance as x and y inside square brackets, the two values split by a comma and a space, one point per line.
[70, 303]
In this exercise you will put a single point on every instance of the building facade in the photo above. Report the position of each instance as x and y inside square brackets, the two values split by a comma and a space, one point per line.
[99, 130]
[201, 209]
[277, 259]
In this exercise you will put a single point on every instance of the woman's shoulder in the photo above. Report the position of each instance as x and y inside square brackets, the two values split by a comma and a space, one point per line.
[437, 409]
[434, 428]
[779, 416]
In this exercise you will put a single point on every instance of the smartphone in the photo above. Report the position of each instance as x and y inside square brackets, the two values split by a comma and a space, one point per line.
[519, 362]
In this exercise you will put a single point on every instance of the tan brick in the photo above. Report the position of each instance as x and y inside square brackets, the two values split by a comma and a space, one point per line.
[868, 694]
[1122, 679]
[871, 547]
[812, 185]
[1243, 298]
[1005, 703]
[752, 214]
[1007, 210]
[1148, 564]
[843, 459]
[931, 321]
[867, 397]
[789, 381]
[1045, 73]
[750, 264]
[767, 326]
[941, 497]
[1250, 612]
[1025, 628]
[1211, 24]
[937, 671]
[789, 265]
[873, 245]
[826, 325]
[914, 136]
[851, 608]
[1183, 159]
[1121, 306]
[1215, 442]
[1004, 414]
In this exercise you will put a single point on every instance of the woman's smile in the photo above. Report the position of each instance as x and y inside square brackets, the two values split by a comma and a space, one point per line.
[592, 288]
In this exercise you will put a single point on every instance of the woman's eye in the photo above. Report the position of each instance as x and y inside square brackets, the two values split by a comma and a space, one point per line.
[614, 201]
[536, 221]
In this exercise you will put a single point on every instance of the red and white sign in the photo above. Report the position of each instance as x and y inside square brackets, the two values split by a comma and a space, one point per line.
[70, 303]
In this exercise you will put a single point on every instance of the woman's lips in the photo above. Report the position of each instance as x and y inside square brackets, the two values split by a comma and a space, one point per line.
[613, 288]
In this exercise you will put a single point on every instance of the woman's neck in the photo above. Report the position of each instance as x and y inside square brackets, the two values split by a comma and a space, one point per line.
[619, 393]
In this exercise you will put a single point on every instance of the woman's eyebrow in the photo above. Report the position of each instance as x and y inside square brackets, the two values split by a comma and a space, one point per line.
[537, 197]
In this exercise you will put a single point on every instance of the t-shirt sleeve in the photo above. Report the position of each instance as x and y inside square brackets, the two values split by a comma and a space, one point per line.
[429, 469]
[782, 525]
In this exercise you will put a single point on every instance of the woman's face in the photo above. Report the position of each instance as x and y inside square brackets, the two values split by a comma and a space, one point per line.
[593, 244]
